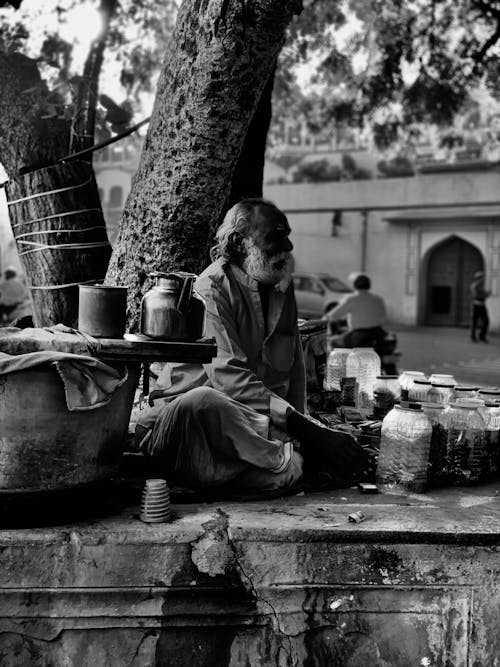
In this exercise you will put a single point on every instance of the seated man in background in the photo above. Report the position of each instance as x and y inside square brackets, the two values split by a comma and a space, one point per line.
[365, 314]
[239, 420]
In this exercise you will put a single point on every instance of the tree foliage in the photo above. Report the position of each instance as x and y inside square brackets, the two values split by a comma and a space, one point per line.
[389, 64]
[129, 39]
[320, 171]
[383, 64]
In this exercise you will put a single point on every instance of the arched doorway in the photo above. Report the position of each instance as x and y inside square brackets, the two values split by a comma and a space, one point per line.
[450, 269]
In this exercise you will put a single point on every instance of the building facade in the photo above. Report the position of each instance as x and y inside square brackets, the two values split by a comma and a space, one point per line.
[115, 166]
[421, 239]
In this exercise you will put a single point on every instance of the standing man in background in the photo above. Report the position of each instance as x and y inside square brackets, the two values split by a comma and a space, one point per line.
[479, 313]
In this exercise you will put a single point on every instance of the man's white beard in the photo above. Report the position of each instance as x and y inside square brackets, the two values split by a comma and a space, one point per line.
[276, 270]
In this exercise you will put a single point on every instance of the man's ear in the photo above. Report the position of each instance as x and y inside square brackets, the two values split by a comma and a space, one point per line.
[236, 241]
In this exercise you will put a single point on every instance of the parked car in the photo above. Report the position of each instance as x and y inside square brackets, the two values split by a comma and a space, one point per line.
[316, 293]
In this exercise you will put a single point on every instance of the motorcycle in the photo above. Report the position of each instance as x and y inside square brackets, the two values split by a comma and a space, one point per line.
[384, 343]
[318, 338]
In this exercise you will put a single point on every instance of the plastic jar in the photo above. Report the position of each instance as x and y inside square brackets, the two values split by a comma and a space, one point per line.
[404, 448]
[467, 460]
[441, 393]
[489, 395]
[442, 378]
[336, 368]
[386, 391]
[418, 390]
[491, 415]
[465, 391]
[363, 363]
[406, 381]
[437, 451]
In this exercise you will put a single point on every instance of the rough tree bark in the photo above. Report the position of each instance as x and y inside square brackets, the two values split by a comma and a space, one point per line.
[248, 176]
[28, 138]
[216, 67]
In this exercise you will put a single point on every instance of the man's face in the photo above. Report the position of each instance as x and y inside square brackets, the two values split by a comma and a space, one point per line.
[268, 247]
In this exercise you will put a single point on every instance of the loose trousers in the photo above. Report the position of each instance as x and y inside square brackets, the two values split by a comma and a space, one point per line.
[479, 320]
[204, 439]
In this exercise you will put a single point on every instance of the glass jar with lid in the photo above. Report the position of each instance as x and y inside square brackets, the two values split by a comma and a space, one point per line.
[336, 368]
[406, 380]
[363, 363]
[441, 393]
[437, 451]
[418, 390]
[489, 394]
[404, 448]
[386, 391]
[491, 415]
[442, 378]
[467, 460]
[465, 391]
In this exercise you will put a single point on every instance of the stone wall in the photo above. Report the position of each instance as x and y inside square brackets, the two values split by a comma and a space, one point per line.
[287, 583]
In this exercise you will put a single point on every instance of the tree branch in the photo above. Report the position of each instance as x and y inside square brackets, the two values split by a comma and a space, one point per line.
[479, 56]
[83, 122]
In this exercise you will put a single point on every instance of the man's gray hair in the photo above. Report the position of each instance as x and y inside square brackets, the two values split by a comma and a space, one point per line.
[238, 220]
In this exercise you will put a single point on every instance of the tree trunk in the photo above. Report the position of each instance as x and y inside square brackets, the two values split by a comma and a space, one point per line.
[61, 237]
[26, 138]
[248, 176]
[217, 64]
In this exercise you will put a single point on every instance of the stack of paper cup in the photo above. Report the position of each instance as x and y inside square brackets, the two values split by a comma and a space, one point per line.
[155, 505]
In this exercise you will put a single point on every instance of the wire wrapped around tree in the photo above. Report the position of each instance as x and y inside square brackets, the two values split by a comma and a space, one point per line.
[60, 235]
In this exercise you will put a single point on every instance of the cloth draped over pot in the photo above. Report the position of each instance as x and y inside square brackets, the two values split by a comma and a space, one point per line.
[88, 382]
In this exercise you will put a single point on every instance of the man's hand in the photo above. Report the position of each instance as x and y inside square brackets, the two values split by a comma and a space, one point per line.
[327, 450]
[276, 433]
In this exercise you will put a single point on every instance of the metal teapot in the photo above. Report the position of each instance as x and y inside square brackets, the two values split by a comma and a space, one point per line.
[172, 310]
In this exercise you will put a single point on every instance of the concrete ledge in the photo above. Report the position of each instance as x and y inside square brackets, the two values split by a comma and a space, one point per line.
[286, 582]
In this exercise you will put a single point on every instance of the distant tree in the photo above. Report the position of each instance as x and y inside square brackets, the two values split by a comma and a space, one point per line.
[317, 171]
[413, 61]
[287, 159]
[321, 171]
[397, 167]
[351, 171]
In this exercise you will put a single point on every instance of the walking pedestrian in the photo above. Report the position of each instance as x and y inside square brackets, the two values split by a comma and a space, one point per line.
[479, 314]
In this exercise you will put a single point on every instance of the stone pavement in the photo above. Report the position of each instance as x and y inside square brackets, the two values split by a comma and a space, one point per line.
[449, 350]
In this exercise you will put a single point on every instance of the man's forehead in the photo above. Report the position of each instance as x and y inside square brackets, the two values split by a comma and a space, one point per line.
[269, 219]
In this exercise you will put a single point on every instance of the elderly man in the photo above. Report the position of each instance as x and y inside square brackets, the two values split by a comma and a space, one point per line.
[235, 421]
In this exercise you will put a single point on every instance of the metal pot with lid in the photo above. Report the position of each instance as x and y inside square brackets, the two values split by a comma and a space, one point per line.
[171, 309]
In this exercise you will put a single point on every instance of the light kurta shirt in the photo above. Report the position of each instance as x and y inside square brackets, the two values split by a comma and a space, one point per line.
[258, 367]
[363, 309]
